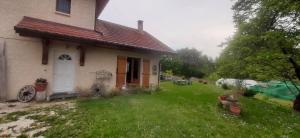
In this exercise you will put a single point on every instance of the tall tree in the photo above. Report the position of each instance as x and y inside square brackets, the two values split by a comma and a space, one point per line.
[271, 29]
[267, 42]
[189, 63]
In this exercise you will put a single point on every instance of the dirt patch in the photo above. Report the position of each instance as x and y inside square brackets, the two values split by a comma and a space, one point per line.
[6, 108]
[30, 119]
[16, 127]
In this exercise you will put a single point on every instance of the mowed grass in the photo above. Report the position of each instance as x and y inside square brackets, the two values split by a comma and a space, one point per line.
[176, 111]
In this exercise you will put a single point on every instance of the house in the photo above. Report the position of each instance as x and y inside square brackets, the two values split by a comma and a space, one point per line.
[64, 42]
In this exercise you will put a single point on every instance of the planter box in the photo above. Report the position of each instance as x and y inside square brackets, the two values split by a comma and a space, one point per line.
[40, 87]
[231, 105]
[40, 96]
[235, 109]
[41, 93]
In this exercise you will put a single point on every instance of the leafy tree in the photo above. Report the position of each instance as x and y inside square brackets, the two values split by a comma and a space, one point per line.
[271, 29]
[266, 45]
[171, 63]
[189, 63]
[169, 73]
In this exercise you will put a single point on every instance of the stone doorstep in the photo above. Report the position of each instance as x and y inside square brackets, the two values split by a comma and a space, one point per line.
[64, 95]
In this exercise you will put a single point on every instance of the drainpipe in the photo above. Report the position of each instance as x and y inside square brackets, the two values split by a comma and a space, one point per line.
[3, 76]
[159, 70]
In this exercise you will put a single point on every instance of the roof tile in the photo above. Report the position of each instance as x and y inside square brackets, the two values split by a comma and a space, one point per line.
[104, 32]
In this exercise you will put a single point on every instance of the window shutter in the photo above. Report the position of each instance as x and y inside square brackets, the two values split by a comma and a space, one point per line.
[121, 71]
[146, 73]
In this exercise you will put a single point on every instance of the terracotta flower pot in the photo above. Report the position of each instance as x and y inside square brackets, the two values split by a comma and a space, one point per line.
[223, 97]
[235, 109]
[40, 87]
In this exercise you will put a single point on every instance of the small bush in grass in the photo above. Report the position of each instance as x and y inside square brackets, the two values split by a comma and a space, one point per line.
[250, 93]
[225, 87]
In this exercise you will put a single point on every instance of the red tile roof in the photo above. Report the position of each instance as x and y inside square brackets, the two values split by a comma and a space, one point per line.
[105, 32]
[128, 36]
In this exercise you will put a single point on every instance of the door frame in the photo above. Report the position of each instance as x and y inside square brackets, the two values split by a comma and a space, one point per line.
[133, 71]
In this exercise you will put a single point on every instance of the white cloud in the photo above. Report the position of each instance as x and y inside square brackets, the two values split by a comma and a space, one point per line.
[202, 24]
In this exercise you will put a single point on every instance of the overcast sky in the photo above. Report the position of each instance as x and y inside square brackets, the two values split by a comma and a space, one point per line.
[201, 24]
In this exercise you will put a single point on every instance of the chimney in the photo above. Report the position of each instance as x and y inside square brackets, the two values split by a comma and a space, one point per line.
[140, 25]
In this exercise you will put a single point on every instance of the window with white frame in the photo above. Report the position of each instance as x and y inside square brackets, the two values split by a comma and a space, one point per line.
[63, 6]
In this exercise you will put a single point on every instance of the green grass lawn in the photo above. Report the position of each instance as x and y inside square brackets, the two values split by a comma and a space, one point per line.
[176, 111]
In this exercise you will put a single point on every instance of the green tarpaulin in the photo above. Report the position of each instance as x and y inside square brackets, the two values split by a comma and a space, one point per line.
[277, 89]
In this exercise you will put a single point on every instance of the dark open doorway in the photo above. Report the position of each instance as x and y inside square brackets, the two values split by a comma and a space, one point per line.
[133, 72]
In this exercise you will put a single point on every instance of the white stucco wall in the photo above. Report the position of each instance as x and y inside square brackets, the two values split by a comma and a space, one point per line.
[24, 64]
[24, 54]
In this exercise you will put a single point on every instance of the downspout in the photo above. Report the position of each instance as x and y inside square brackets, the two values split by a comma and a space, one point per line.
[3, 75]
[158, 75]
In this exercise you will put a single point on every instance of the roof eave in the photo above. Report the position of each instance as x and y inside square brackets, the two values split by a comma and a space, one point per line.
[46, 35]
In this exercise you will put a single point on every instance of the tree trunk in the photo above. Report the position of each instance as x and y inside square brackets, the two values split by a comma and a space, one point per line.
[296, 67]
[297, 71]
[297, 103]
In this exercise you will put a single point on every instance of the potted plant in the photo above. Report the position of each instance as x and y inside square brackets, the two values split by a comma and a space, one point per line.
[235, 108]
[223, 97]
[41, 84]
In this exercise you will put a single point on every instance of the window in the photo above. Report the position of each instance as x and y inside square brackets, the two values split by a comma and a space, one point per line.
[64, 57]
[63, 6]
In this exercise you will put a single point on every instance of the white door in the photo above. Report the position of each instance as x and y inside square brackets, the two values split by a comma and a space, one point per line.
[64, 72]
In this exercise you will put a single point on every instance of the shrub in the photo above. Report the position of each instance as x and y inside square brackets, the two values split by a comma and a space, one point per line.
[249, 93]
[225, 87]
[213, 77]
